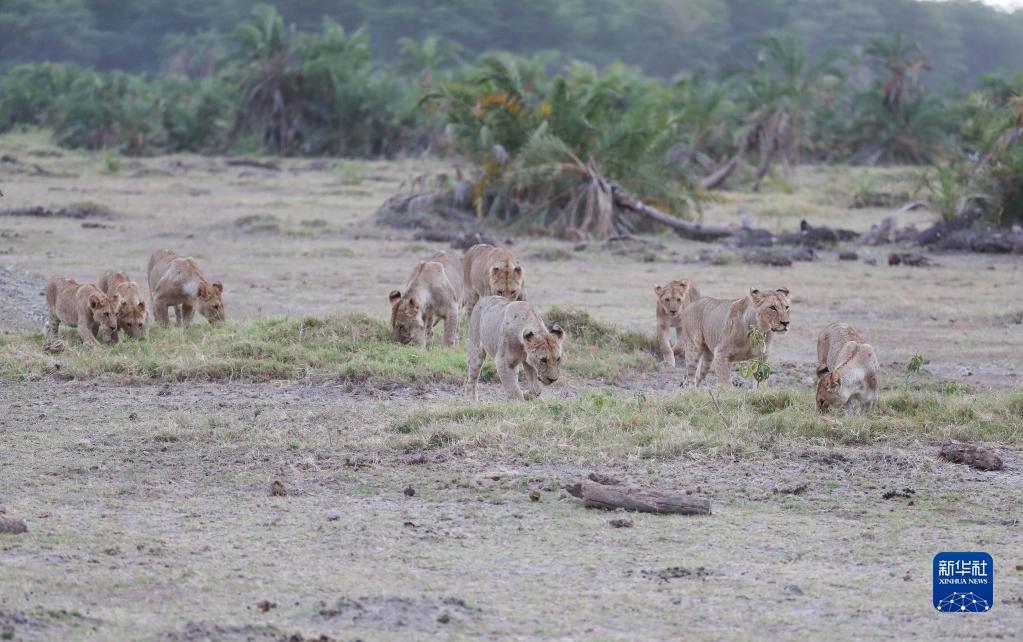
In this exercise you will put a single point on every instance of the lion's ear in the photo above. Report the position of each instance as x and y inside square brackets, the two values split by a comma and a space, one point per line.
[219, 287]
[784, 291]
[557, 331]
[413, 303]
[95, 301]
[755, 294]
[517, 269]
[658, 289]
[528, 335]
[142, 306]
[821, 371]
[202, 291]
[394, 296]
[123, 305]
[495, 270]
[834, 381]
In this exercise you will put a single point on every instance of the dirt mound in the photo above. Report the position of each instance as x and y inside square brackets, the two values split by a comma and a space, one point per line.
[83, 210]
[24, 301]
[399, 612]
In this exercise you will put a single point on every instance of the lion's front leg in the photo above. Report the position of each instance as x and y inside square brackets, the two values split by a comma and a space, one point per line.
[451, 325]
[664, 344]
[532, 381]
[475, 358]
[508, 375]
[722, 369]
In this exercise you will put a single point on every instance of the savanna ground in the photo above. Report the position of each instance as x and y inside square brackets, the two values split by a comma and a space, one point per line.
[144, 470]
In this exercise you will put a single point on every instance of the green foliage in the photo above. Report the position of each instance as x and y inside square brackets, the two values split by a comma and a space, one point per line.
[756, 368]
[916, 364]
[944, 185]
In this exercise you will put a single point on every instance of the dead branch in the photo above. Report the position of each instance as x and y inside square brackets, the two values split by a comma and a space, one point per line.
[619, 496]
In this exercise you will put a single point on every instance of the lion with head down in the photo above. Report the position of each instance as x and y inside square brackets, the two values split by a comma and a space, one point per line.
[717, 331]
[514, 335]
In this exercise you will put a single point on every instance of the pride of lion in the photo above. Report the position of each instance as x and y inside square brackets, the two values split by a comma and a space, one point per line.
[488, 285]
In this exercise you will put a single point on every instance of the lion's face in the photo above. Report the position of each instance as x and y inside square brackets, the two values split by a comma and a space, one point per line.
[675, 296]
[211, 302]
[543, 353]
[506, 281]
[772, 308]
[132, 319]
[407, 321]
[829, 390]
[104, 311]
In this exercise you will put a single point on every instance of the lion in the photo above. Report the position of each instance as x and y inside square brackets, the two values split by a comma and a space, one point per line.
[85, 307]
[671, 300]
[847, 370]
[176, 281]
[434, 292]
[131, 315]
[718, 331]
[491, 271]
[513, 334]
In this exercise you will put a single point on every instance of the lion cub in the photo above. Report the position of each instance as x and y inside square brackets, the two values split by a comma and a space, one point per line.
[671, 300]
[492, 271]
[131, 315]
[717, 331]
[848, 370]
[513, 334]
[176, 281]
[83, 306]
[434, 292]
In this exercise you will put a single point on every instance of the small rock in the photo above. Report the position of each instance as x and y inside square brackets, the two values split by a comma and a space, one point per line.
[795, 590]
[333, 517]
[409, 491]
[133, 416]
[621, 522]
[848, 256]
[534, 496]
[444, 617]
[114, 551]
[266, 605]
[12, 526]
[277, 489]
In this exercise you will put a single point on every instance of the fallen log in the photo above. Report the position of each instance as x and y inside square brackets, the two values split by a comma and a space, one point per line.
[620, 496]
[693, 231]
[973, 456]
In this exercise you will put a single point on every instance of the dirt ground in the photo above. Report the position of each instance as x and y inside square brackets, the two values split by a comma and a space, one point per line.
[149, 507]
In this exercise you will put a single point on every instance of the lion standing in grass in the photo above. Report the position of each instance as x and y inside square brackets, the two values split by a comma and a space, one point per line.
[85, 307]
[131, 314]
[718, 332]
[492, 271]
[847, 370]
[434, 292]
[672, 299]
[513, 334]
[177, 281]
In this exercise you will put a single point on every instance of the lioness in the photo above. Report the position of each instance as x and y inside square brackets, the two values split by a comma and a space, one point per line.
[671, 300]
[717, 330]
[434, 292]
[176, 281]
[131, 315]
[491, 271]
[83, 306]
[513, 334]
[848, 369]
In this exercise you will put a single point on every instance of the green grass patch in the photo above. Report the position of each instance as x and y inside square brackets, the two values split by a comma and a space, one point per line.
[351, 348]
[605, 426]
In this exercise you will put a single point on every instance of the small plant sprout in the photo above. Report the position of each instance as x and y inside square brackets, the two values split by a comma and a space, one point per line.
[757, 367]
